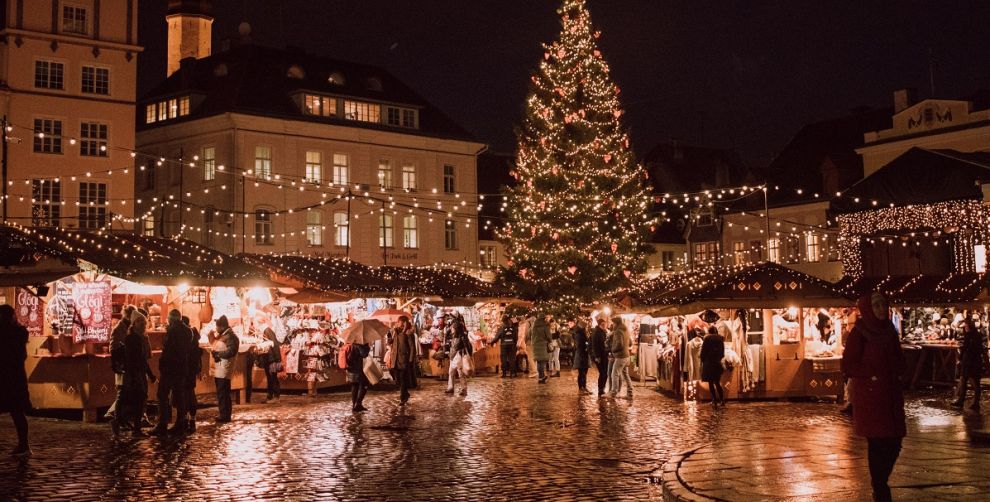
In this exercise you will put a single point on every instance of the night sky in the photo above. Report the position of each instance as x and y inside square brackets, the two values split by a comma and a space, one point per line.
[743, 74]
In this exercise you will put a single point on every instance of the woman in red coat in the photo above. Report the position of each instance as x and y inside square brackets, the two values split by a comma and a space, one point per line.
[874, 363]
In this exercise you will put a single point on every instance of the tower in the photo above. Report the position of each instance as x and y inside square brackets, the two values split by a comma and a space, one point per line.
[190, 29]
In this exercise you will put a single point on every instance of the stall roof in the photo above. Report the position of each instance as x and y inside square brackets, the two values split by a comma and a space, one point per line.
[952, 289]
[763, 285]
[134, 257]
[358, 280]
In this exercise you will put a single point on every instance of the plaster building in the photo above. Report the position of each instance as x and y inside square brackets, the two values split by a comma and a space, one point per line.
[263, 150]
[67, 92]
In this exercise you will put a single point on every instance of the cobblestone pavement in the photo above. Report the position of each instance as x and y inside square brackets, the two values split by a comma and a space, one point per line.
[507, 440]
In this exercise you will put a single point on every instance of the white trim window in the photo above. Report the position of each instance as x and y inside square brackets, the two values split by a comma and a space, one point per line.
[93, 139]
[385, 174]
[48, 136]
[342, 229]
[773, 247]
[263, 161]
[314, 228]
[363, 112]
[410, 233]
[813, 247]
[46, 202]
[209, 216]
[408, 176]
[92, 205]
[449, 235]
[314, 167]
[74, 20]
[449, 181]
[95, 80]
[148, 226]
[49, 75]
[385, 231]
[321, 106]
[263, 229]
[340, 169]
[209, 163]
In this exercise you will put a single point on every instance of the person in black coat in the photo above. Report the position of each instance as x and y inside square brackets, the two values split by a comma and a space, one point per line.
[194, 368]
[712, 353]
[14, 397]
[972, 364]
[508, 337]
[137, 373]
[599, 353]
[582, 354]
[356, 377]
[172, 369]
[272, 365]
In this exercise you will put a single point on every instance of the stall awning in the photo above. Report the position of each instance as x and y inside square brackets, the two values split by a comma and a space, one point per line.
[763, 285]
[922, 290]
[136, 258]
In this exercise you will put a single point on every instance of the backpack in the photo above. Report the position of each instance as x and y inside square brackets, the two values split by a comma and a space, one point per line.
[342, 356]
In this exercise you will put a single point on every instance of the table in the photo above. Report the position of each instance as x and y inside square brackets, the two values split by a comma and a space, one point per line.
[942, 357]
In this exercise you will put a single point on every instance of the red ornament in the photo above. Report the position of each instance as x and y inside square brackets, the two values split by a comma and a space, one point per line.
[617, 113]
[608, 157]
[523, 272]
[546, 55]
[556, 235]
[615, 247]
[533, 231]
[572, 269]
[598, 53]
[627, 273]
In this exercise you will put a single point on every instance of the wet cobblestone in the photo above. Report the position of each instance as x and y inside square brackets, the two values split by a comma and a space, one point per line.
[507, 440]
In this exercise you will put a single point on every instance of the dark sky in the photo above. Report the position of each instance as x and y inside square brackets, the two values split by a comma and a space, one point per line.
[737, 74]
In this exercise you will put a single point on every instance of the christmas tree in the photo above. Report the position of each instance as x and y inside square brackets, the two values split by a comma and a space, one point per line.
[579, 215]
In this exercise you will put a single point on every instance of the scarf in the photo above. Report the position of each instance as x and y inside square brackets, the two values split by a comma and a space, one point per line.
[871, 325]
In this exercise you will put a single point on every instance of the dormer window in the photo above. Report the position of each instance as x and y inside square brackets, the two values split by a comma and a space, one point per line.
[322, 106]
[167, 109]
[363, 112]
[401, 117]
[336, 78]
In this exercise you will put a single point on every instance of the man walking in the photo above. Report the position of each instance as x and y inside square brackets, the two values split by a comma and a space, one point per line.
[599, 353]
[541, 346]
[224, 352]
[172, 369]
[582, 355]
[507, 337]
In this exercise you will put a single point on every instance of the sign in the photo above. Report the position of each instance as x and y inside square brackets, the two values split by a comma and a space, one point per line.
[30, 313]
[60, 308]
[93, 311]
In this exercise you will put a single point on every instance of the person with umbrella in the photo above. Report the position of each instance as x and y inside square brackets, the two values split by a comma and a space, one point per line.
[357, 339]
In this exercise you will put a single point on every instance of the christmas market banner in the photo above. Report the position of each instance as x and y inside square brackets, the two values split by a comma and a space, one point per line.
[30, 312]
[93, 319]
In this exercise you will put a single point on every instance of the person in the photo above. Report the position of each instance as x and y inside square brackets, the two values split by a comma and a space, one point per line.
[404, 356]
[582, 356]
[460, 348]
[195, 366]
[224, 352]
[272, 365]
[507, 337]
[599, 353]
[712, 352]
[541, 345]
[619, 349]
[972, 364]
[14, 398]
[117, 360]
[554, 365]
[172, 369]
[874, 363]
[137, 373]
[355, 375]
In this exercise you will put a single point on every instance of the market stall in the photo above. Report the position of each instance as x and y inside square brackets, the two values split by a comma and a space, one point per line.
[783, 330]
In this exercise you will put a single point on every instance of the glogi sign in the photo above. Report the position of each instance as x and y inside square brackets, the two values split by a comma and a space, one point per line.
[93, 311]
[29, 312]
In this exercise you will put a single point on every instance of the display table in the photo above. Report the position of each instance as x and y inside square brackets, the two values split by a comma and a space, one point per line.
[937, 362]
[336, 377]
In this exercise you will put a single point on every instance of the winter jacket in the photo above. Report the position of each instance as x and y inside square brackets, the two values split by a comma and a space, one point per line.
[619, 346]
[541, 340]
[582, 349]
[712, 352]
[599, 351]
[117, 345]
[355, 359]
[404, 349]
[13, 352]
[508, 335]
[972, 354]
[175, 350]
[874, 364]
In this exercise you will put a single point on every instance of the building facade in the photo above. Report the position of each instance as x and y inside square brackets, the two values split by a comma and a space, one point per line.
[67, 90]
[262, 150]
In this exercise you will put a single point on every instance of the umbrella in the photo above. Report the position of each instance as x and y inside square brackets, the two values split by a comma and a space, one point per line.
[364, 332]
[390, 315]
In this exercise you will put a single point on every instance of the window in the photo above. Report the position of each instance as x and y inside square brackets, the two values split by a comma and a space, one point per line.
[393, 116]
[47, 136]
[739, 253]
[148, 226]
[319, 105]
[705, 220]
[73, 19]
[385, 174]
[340, 169]
[409, 118]
[93, 140]
[184, 106]
[813, 247]
[706, 252]
[448, 179]
[95, 80]
[209, 163]
[755, 250]
[263, 161]
[163, 110]
[46, 203]
[410, 235]
[149, 114]
[385, 230]
[314, 167]
[792, 250]
[489, 256]
[341, 227]
[400, 117]
[449, 235]
[263, 227]
[314, 228]
[173, 108]
[833, 249]
[364, 112]
[774, 250]
[667, 261]
[92, 205]
[49, 75]
[409, 176]
[149, 177]
[208, 215]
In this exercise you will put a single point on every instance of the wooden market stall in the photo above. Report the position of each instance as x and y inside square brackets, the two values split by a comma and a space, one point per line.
[68, 288]
[784, 328]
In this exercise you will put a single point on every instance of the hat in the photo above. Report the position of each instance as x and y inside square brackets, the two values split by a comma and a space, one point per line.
[709, 316]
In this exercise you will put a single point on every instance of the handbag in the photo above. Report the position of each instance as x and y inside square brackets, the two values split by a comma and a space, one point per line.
[372, 370]
[467, 365]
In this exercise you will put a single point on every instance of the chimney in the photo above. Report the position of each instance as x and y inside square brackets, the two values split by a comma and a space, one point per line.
[904, 98]
[190, 31]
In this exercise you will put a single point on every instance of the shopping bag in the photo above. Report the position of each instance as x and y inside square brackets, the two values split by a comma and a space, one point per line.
[467, 365]
[372, 371]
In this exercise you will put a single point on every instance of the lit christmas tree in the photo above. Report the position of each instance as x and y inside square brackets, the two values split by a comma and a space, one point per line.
[579, 215]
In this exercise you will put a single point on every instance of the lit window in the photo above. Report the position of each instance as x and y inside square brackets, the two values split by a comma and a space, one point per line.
[448, 179]
[449, 235]
[385, 174]
[163, 110]
[47, 136]
[209, 163]
[95, 80]
[173, 108]
[148, 227]
[706, 252]
[73, 20]
[93, 140]
[756, 250]
[813, 247]
[149, 114]
[184, 106]
[774, 250]
[263, 162]
[667, 261]
[314, 167]
[92, 205]
[363, 112]
[739, 253]
[489, 256]
[46, 203]
[314, 228]
[385, 230]
[410, 235]
[342, 229]
[322, 106]
[409, 176]
[263, 227]
[49, 75]
[340, 171]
